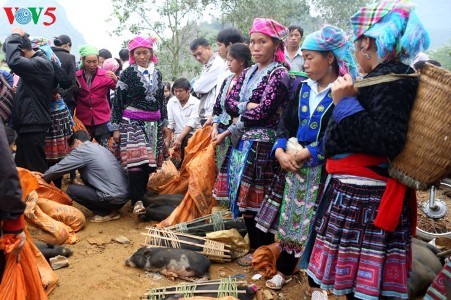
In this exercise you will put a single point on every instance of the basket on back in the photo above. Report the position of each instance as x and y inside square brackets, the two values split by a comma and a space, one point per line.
[426, 157]
[213, 250]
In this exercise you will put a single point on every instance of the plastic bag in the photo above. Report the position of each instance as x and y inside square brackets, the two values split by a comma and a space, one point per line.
[239, 245]
[43, 227]
[21, 280]
[66, 214]
[265, 258]
[166, 174]
[198, 201]
[179, 185]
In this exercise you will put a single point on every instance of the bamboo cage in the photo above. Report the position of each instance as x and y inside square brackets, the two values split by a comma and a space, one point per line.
[220, 220]
[162, 237]
[212, 288]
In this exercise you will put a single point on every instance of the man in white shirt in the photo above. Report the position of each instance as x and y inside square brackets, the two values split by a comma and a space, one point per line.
[183, 115]
[206, 84]
[293, 52]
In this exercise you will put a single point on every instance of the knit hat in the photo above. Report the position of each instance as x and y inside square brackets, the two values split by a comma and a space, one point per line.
[139, 41]
[331, 38]
[110, 64]
[395, 26]
[86, 50]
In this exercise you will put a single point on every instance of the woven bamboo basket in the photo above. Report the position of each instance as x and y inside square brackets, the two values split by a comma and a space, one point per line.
[426, 157]
[213, 250]
[216, 288]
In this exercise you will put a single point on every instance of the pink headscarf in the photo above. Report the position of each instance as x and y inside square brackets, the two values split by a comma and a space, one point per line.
[273, 29]
[139, 41]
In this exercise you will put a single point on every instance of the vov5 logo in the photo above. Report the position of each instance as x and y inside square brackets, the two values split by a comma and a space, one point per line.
[25, 15]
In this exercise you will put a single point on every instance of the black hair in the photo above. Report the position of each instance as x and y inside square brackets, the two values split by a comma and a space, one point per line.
[26, 42]
[118, 71]
[124, 54]
[334, 64]
[105, 53]
[62, 40]
[81, 135]
[200, 41]
[420, 64]
[241, 51]
[11, 135]
[167, 85]
[296, 27]
[181, 83]
[229, 36]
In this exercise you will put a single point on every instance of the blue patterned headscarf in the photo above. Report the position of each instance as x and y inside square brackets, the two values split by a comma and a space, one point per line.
[44, 45]
[331, 38]
[395, 26]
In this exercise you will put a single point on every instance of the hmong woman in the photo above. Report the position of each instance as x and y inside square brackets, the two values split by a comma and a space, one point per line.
[257, 98]
[363, 243]
[93, 108]
[138, 117]
[238, 59]
[327, 54]
[56, 146]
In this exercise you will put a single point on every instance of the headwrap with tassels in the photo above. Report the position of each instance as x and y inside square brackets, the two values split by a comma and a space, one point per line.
[46, 47]
[331, 38]
[273, 29]
[395, 26]
[139, 41]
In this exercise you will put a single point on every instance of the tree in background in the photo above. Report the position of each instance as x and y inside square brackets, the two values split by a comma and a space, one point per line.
[337, 12]
[442, 55]
[174, 22]
[241, 13]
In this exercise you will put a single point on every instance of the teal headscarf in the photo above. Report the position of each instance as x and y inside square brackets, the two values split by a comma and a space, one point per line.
[331, 38]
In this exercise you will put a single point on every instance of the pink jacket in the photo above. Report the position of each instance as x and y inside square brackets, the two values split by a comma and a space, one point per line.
[92, 103]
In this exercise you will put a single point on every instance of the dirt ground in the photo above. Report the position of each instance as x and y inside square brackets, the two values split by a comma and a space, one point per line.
[97, 271]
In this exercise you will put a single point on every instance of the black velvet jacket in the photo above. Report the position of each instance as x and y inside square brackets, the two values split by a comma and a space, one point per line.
[381, 128]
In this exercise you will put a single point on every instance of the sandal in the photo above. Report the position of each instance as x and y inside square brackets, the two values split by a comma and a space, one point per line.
[101, 219]
[277, 282]
[319, 295]
[139, 208]
[245, 261]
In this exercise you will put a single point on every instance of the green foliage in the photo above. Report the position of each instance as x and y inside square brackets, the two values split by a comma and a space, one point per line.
[241, 13]
[169, 20]
[442, 55]
[338, 12]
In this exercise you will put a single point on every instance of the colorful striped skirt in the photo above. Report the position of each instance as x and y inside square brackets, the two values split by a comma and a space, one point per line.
[438, 288]
[251, 170]
[141, 143]
[56, 147]
[221, 187]
[351, 255]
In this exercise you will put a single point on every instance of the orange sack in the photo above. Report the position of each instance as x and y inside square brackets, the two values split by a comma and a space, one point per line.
[179, 185]
[21, 280]
[198, 201]
[265, 258]
[166, 174]
[31, 181]
[69, 215]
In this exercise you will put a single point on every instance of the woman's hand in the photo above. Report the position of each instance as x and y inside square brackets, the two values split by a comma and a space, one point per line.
[116, 136]
[343, 87]
[214, 132]
[287, 160]
[221, 137]
[301, 155]
[251, 105]
[177, 144]
[111, 75]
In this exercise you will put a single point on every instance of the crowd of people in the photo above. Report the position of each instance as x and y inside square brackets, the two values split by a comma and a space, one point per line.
[304, 161]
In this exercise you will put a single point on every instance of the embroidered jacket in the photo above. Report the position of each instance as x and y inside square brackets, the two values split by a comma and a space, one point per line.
[376, 121]
[135, 91]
